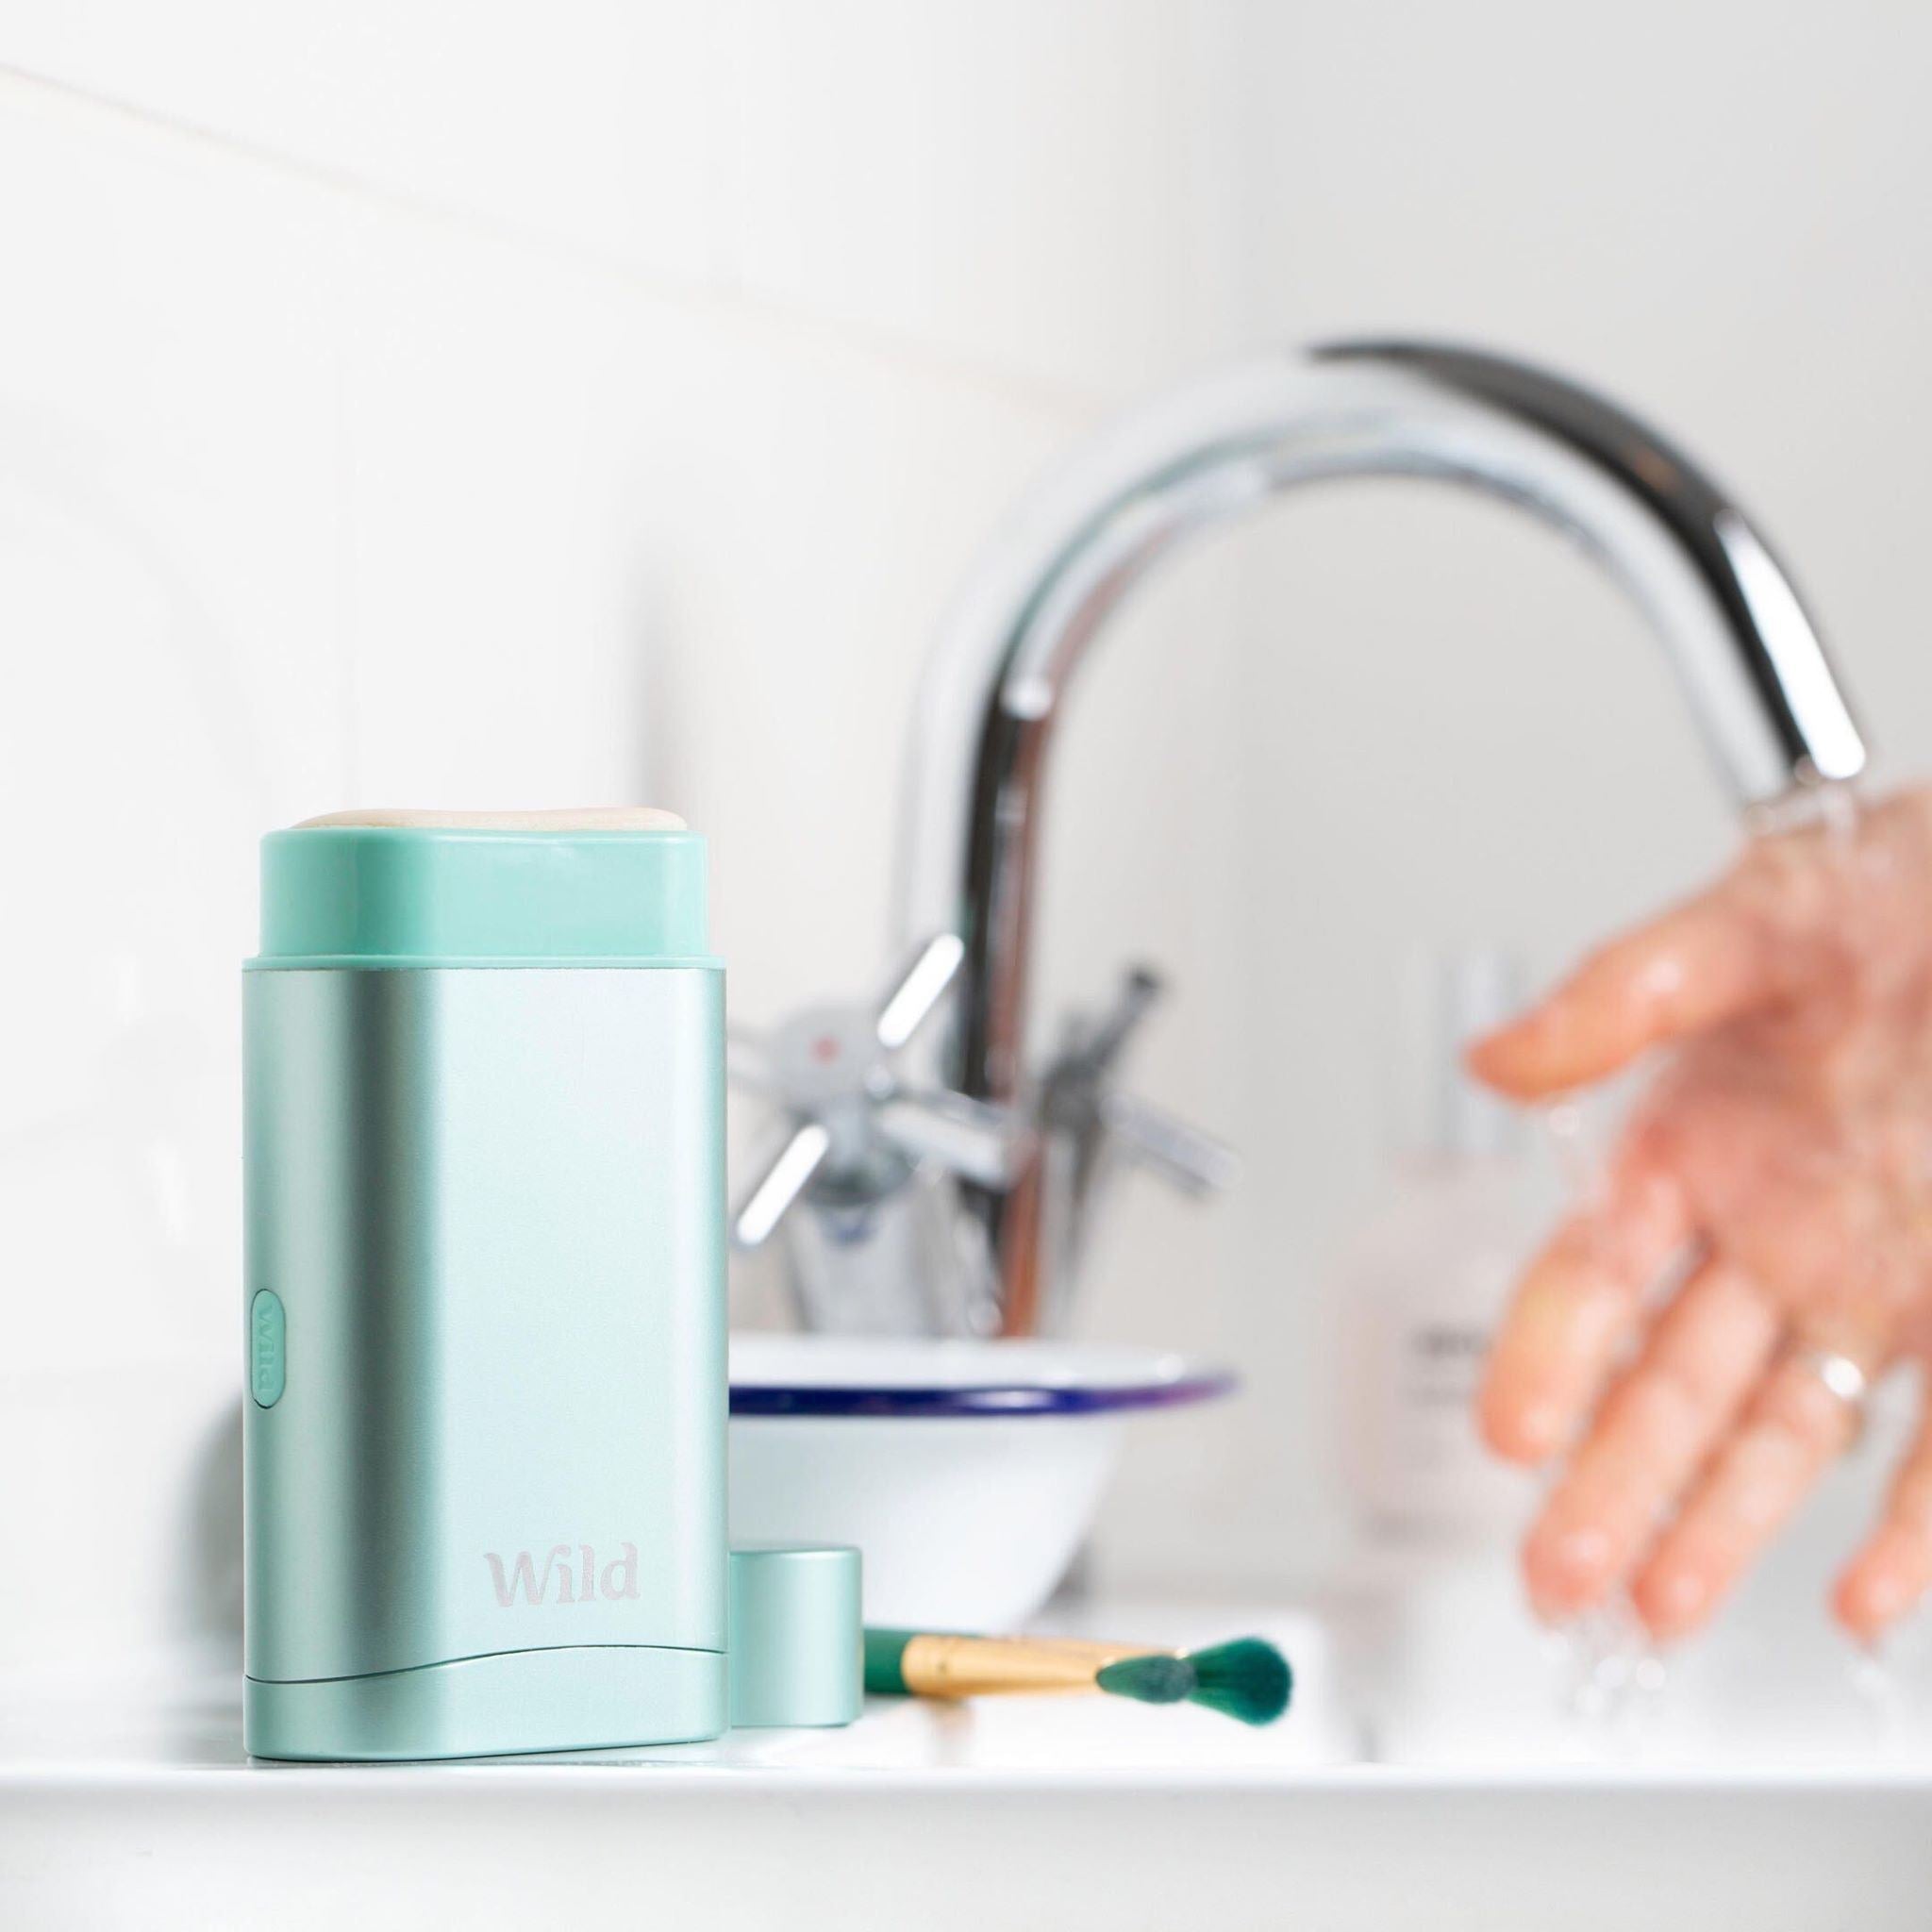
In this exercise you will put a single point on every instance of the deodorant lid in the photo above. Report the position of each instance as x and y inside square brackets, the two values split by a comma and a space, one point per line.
[794, 1638]
[615, 886]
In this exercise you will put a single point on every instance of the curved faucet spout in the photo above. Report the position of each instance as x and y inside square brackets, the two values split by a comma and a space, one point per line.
[1746, 654]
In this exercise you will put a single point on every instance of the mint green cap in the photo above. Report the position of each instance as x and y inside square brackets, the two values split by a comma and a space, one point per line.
[794, 1636]
[493, 890]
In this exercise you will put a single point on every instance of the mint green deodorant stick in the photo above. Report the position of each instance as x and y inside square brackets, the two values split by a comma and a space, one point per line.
[484, 1304]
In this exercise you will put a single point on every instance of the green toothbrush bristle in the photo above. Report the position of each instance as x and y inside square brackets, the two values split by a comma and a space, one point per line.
[1155, 1678]
[1247, 1679]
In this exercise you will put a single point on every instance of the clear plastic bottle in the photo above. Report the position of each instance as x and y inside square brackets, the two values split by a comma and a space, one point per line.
[1425, 1285]
[1455, 1666]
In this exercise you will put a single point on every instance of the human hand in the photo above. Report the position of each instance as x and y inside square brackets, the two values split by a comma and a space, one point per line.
[1779, 1173]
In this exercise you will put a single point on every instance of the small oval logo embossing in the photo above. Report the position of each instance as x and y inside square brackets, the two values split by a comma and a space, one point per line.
[268, 1369]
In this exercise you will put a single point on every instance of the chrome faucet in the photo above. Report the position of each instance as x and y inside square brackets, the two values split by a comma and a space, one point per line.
[1014, 1205]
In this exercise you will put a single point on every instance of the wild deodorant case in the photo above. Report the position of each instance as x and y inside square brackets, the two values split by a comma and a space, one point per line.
[485, 1434]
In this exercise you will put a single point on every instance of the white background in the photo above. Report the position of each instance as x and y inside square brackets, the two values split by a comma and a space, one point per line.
[473, 404]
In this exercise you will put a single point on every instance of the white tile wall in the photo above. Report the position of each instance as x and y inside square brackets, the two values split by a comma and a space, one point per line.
[319, 486]
[586, 128]
[1037, 189]
[170, 534]
[463, 403]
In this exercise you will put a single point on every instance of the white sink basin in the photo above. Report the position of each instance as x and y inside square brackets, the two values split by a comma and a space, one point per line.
[135, 1806]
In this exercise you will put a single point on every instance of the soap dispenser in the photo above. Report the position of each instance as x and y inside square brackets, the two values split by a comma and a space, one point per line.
[484, 1306]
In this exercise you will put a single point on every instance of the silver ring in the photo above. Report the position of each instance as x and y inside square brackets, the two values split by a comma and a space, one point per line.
[1840, 1373]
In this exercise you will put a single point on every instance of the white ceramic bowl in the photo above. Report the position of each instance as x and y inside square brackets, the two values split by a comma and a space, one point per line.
[967, 1472]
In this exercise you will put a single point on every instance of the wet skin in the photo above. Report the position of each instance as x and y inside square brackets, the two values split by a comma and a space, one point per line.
[1772, 1192]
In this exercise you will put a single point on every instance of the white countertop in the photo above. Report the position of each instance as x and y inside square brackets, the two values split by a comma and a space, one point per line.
[134, 1805]
[171, 1728]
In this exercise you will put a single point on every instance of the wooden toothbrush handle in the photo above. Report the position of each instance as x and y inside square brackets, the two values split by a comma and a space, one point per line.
[936, 1666]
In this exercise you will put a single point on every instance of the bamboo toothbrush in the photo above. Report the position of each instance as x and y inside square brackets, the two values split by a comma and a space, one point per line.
[1247, 1679]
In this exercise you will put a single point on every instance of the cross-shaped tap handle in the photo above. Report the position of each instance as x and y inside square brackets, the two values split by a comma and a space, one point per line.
[847, 1114]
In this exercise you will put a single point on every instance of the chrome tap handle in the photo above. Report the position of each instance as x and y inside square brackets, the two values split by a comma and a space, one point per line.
[1197, 1163]
[980, 1143]
[1181, 1153]
[1090, 1130]
[785, 1176]
[915, 996]
[1073, 1088]
[1097, 1123]
[850, 1122]
[1100, 1044]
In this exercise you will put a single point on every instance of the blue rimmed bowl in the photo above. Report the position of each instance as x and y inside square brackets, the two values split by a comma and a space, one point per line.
[968, 1473]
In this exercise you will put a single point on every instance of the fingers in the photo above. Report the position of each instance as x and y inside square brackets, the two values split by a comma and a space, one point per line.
[1792, 1428]
[1699, 965]
[1893, 1570]
[1706, 1352]
[1575, 1308]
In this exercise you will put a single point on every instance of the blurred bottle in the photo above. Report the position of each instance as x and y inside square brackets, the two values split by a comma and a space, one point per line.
[1424, 1286]
[1454, 1668]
